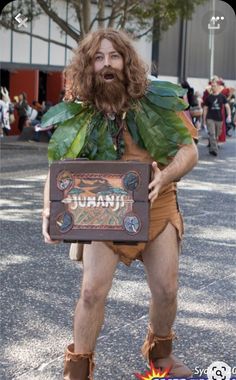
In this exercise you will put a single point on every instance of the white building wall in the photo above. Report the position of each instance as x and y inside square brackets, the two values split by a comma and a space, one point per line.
[21, 51]
[39, 47]
[57, 53]
[69, 53]
[144, 49]
[5, 52]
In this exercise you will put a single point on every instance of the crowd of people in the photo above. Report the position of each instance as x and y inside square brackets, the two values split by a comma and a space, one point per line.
[27, 115]
[213, 111]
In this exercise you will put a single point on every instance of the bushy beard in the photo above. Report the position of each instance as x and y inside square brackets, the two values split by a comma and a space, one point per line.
[110, 97]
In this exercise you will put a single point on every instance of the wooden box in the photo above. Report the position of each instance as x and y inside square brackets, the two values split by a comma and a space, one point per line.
[99, 200]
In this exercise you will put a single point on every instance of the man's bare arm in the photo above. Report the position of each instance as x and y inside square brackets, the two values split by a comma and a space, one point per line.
[184, 161]
[228, 112]
[46, 199]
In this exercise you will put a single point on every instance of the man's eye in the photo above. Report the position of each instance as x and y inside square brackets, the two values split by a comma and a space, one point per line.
[115, 56]
[98, 58]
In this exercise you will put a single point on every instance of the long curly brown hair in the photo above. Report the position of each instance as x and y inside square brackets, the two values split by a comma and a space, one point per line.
[79, 73]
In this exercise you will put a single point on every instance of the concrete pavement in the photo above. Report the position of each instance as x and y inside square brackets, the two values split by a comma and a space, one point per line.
[40, 284]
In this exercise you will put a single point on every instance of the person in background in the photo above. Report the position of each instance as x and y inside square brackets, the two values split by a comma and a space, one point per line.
[5, 104]
[196, 110]
[38, 108]
[227, 92]
[41, 109]
[212, 115]
[208, 89]
[230, 127]
[21, 105]
[189, 98]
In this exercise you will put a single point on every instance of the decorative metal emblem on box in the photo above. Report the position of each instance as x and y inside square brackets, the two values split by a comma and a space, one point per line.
[99, 200]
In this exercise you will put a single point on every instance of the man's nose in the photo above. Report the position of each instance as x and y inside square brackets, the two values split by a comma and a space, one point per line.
[107, 61]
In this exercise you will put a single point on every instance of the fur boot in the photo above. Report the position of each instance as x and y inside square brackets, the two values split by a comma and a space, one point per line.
[159, 351]
[78, 366]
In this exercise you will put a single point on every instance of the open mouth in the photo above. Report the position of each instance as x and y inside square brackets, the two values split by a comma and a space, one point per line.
[108, 77]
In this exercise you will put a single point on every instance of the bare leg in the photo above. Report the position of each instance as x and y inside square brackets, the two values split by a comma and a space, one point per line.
[161, 264]
[99, 263]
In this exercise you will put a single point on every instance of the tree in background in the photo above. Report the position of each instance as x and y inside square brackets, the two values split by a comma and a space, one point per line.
[133, 16]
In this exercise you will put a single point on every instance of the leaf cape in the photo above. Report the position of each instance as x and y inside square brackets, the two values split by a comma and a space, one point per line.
[82, 131]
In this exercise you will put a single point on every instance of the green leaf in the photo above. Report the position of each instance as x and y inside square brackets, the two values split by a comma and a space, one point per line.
[166, 131]
[91, 140]
[90, 147]
[78, 143]
[169, 102]
[106, 149]
[163, 88]
[60, 113]
[68, 138]
[133, 129]
[98, 141]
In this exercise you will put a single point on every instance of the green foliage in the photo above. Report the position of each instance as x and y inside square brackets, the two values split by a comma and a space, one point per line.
[156, 125]
[68, 139]
[133, 129]
[164, 88]
[165, 12]
[99, 144]
[161, 131]
[106, 149]
[166, 95]
[153, 125]
[169, 102]
[61, 112]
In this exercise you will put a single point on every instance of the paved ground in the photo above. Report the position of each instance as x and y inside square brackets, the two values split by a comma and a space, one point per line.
[39, 284]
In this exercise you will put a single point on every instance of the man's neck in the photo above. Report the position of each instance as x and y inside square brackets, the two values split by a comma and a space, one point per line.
[216, 92]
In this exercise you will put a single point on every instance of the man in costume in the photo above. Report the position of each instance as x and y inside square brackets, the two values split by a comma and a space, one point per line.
[112, 112]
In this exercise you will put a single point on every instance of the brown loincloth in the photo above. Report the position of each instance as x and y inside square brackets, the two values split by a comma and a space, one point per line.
[165, 208]
[164, 211]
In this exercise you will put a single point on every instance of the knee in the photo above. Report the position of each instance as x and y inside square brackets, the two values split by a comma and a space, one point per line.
[165, 293]
[91, 296]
